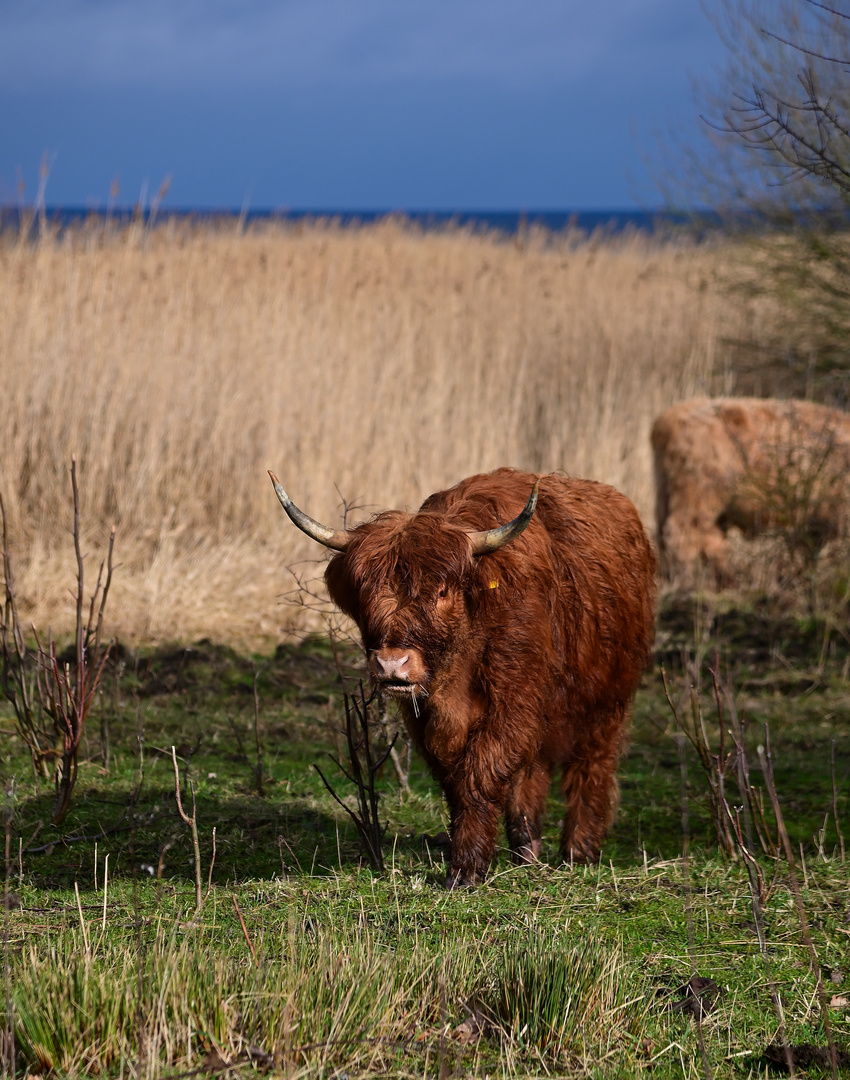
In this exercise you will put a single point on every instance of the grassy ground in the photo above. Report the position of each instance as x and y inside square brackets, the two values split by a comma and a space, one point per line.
[342, 971]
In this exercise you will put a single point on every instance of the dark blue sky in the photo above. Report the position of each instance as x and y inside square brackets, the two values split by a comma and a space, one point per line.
[347, 104]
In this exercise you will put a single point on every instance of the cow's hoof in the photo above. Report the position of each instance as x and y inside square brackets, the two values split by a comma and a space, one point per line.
[459, 879]
[527, 853]
[580, 857]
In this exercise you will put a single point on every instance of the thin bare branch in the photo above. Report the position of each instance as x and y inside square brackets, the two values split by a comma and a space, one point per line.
[192, 822]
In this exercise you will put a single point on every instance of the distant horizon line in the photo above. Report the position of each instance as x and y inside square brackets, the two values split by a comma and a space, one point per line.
[508, 220]
[283, 210]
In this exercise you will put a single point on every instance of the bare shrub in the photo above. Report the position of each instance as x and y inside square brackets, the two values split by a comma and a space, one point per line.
[192, 823]
[774, 165]
[52, 695]
[364, 766]
[744, 824]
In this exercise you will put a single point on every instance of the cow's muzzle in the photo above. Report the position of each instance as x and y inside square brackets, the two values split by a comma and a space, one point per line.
[398, 671]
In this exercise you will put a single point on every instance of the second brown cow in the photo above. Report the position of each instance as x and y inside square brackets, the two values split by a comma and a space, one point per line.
[512, 617]
[754, 465]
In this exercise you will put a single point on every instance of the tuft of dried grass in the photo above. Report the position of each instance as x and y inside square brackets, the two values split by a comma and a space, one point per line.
[370, 364]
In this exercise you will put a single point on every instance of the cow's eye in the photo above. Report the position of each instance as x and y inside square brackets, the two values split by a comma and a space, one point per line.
[443, 592]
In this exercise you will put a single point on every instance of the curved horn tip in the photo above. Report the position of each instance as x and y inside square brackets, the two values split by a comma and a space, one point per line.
[282, 496]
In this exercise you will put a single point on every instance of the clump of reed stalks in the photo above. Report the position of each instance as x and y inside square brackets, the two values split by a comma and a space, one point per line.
[310, 996]
[555, 999]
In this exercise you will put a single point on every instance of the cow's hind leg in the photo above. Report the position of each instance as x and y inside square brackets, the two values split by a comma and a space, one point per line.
[524, 813]
[591, 792]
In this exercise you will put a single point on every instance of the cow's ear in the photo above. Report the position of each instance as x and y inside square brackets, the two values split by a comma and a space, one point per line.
[341, 586]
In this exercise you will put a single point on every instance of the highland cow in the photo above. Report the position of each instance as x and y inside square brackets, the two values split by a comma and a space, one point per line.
[757, 466]
[513, 649]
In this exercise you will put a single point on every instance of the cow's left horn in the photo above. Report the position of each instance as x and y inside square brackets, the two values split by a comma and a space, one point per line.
[493, 539]
[332, 538]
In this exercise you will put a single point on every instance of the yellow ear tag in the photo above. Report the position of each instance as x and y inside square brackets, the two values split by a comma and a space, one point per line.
[494, 584]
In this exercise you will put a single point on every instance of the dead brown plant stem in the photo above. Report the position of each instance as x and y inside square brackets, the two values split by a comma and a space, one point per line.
[192, 822]
[212, 864]
[752, 809]
[402, 774]
[8, 1048]
[295, 859]
[757, 893]
[259, 770]
[712, 764]
[766, 762]
[244, 929]
[680, 739]
[835, 801]
[721, 790]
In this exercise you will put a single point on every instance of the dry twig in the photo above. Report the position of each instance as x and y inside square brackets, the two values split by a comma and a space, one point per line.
[192, 822]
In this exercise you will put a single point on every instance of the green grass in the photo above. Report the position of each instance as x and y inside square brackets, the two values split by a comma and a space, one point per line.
[538, 970]
[541, 971]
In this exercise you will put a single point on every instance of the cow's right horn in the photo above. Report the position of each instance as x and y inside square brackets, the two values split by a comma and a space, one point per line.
[331, 538]
[492, 539]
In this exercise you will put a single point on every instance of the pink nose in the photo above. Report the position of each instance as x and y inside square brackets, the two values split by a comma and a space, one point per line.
[392, 664]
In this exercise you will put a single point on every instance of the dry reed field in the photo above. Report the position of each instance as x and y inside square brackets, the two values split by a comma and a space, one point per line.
[370, 365]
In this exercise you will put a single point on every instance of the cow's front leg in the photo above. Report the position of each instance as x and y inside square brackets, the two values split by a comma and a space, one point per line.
[474, 824]
[477, 793]
[475, 799]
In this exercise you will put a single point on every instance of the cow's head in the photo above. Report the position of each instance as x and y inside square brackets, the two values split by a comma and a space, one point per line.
[411, 582]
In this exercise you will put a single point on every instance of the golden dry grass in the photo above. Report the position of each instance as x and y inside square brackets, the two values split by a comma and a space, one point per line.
[376, 363]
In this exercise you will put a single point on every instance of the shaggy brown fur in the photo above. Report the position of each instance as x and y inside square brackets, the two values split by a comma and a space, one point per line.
[511, 664]
[749, 463]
